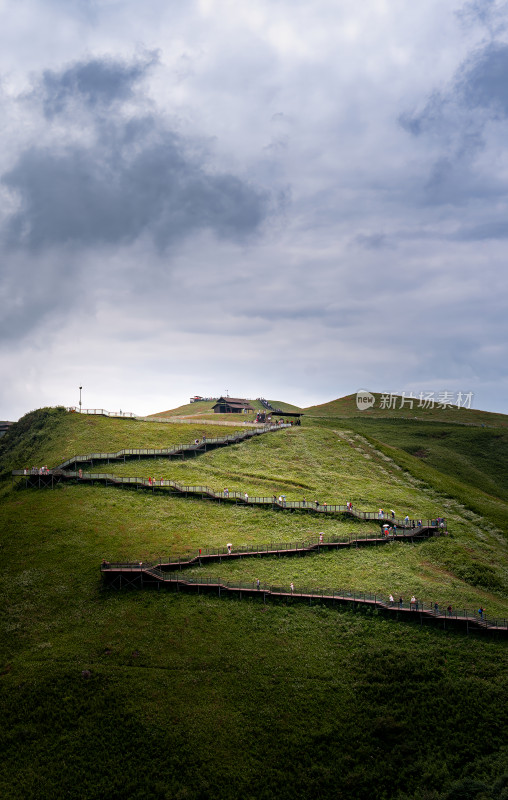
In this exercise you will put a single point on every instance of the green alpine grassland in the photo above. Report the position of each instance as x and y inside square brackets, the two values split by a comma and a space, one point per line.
[153, 694]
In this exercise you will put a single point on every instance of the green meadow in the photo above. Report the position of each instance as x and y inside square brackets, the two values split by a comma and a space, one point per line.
[160, 695]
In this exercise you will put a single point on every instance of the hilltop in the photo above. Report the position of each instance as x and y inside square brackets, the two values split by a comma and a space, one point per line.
[201, 696]
[346, 407]
[204, 407]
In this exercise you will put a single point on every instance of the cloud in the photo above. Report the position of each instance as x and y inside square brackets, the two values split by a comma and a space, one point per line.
[460, 124]
[372, 241]
[491, 15]
[96, 82]
[480, 84]
[102, 176]
[483, 82]
[132, 176]
[494, 229]
[105, 194]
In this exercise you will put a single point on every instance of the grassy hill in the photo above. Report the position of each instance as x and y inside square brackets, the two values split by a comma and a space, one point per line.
[49, 436]
[155, 695]
[346, 407]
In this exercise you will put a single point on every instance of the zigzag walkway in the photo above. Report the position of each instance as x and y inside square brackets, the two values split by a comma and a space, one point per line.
[52, 477]
[48, 478]
[196, 448]
[139, 576]
[229, 553]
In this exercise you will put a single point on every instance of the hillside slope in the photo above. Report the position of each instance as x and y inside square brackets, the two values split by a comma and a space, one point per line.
[196, 696]
[50, 435]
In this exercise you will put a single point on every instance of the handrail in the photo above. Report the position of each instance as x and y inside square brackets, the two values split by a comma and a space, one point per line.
[102, 412]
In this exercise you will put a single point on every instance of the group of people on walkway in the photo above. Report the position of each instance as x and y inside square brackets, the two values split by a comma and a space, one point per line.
[155, 481]
[414, 605]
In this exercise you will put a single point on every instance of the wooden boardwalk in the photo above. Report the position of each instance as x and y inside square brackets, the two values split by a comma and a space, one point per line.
[179, 450]
[278, 549]
[68, 471]
[141, 576]
[53, 477]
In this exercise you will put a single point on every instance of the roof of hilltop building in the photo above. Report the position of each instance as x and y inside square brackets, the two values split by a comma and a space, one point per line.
[232, 404]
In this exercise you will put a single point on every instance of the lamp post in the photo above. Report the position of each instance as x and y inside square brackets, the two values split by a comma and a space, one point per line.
[80, 399]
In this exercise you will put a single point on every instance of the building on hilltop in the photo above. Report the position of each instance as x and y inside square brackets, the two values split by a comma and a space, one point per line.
[232, 405]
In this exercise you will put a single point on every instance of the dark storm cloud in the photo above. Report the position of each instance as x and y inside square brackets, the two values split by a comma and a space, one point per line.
[132, 177]
[481, 83]
[99, 81]
[106, 179]
[101, 195]
[484, 82]
[463, 121]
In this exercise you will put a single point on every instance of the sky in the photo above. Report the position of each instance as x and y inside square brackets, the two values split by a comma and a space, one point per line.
[285, 199]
